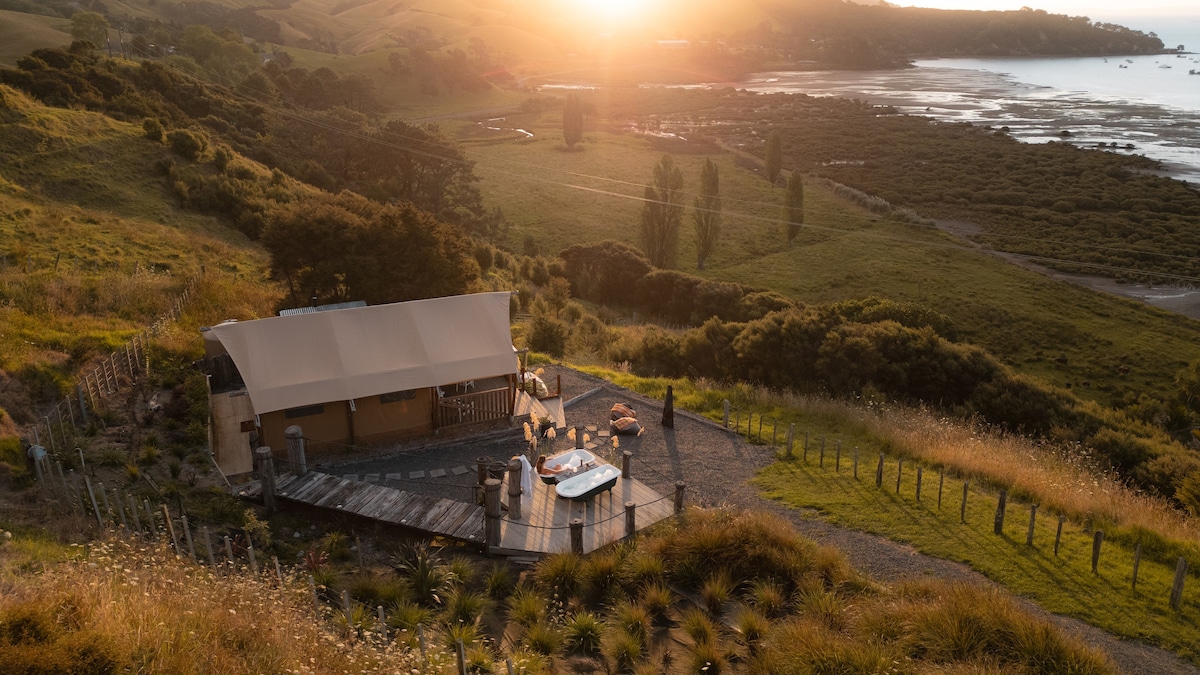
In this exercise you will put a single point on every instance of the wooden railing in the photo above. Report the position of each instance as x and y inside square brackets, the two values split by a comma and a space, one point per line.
[482, 406]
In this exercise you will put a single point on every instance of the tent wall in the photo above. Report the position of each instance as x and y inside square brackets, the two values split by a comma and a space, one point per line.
[377, 420]
[373, 419]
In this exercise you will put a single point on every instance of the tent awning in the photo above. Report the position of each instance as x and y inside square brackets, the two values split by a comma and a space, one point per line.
[305, 359]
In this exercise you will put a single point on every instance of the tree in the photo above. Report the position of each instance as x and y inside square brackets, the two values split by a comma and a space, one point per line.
[91, 27]
[662, 211]
[793, 206]
[707, 213]
[774, 156]
[572, 120]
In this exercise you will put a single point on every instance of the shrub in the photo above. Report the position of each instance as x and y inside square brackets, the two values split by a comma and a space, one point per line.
[499, 581]
[407, 616]
[698, 626]
[622, 649]
[583, 632]
[187, 144]
[526, 607]
[632, 618]
[559, 573]
[543, 638]
[428, 577]
[463, 606]
[154, 129]
[717, 591]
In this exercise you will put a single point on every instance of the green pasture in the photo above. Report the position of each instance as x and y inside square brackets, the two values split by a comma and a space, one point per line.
[1102, 347]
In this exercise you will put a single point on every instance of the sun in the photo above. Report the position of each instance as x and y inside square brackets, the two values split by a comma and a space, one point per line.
[611, 9]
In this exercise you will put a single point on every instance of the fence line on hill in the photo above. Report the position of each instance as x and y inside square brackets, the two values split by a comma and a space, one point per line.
[102, 380]
[732, 415]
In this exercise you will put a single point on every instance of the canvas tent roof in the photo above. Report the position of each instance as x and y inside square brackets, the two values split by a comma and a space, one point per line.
[305, 359]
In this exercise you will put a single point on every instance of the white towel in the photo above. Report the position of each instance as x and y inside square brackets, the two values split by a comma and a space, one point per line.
[526, 479]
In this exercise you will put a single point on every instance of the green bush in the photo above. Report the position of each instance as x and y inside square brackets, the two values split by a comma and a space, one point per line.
[187, 144]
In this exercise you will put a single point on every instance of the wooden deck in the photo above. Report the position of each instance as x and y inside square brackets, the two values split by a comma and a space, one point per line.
[435, 515]
[545, 523]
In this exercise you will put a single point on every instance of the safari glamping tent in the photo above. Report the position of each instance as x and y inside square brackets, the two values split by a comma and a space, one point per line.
[359, 375]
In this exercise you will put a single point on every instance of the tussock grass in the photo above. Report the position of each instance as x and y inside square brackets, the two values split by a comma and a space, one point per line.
[120, 606]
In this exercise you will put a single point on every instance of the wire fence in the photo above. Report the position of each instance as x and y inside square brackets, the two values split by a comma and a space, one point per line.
[910, 482]
[100, 381]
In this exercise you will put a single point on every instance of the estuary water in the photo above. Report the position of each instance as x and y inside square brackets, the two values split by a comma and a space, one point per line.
[1147, 105]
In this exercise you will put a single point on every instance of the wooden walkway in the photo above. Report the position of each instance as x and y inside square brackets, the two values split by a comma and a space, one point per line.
[545, 523]
[435, 515]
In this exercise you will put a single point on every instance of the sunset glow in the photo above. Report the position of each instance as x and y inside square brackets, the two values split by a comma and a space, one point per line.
[611, 10]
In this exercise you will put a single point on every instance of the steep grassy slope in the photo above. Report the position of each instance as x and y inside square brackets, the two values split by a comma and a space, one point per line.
[91, 246]
[21, 33]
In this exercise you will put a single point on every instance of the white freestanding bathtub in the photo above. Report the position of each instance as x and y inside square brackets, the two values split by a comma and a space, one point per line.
[574, 459]
[582, 487]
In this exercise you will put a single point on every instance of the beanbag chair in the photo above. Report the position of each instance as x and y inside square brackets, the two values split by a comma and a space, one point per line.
[620, 410]
[626, 426]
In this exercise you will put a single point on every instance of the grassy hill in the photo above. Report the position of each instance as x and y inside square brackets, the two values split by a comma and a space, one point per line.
[21, 33]
[92, 244]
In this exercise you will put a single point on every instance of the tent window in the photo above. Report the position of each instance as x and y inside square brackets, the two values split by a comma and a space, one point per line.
[304, 411]
[397, 396]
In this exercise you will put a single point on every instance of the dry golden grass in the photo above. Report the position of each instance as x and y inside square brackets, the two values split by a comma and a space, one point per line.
[139, 607]
[1063, 479]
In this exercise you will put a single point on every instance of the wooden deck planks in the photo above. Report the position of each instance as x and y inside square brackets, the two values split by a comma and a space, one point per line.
[544, 527]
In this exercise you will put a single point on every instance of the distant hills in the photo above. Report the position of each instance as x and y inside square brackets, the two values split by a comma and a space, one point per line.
[535, 36]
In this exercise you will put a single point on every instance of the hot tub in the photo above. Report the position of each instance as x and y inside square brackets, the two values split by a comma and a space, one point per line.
[573, 459]
[584, 486]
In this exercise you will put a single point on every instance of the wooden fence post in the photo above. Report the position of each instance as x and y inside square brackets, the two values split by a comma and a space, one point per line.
[998, 525]
[920, 477]
[725, 413]
[1032, 520]
[821, 459]
[461, 657]
[791, 438]
[92, 496]
[137, 520]
[1058, 534]
[879, 472]
[680, 486]
[837, 457]
[1137, 561]
[229, 552]
[253, 559]
[212, 558]
[298, 465]
[856, 462]
[514, 488]
[804, 458]
[899, 473]
[266, 467]
[170, 528]
[1181, 569]
[120, 510]
[941, 483]
[577, 536]
[1097, 541]
[630, 518]
[481, 468]
[962, 514]
[626, 458]
[491, 511]
[187, 536]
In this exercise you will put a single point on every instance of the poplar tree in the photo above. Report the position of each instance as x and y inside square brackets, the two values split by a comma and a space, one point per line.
[793, 206]
[572, 117]
[707, 213]
[774, 157]
[662, 212]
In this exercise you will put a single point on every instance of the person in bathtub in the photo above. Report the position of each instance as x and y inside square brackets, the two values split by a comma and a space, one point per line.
[545, 470]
